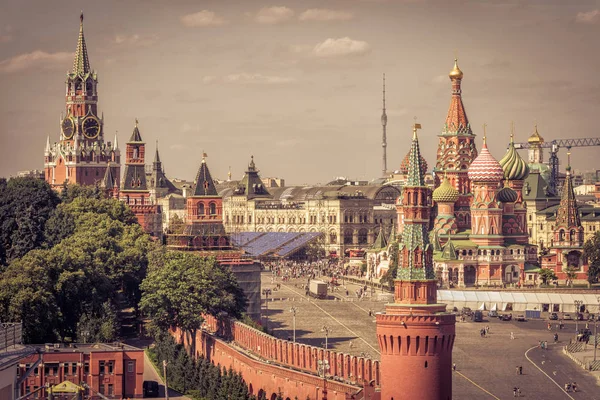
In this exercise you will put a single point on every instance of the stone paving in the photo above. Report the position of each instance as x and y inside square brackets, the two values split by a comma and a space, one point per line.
[486, 367]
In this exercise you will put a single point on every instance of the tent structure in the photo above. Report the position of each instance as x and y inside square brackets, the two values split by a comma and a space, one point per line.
[518, 300]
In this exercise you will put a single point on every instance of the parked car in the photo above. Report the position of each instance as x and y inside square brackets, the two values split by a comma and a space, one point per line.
[553, 316]
[150, 388]
[591, 317]
[505, 317]
[579, 317]
[567, 317]
[477, 316]
[521, 318]
[493, 314]
[584, 334]
[466, 311]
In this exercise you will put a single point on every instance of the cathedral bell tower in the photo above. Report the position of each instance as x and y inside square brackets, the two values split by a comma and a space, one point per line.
[456, 149]
[415, 333]
[81, 156]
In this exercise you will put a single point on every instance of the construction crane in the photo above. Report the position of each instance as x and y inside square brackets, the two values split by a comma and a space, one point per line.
[553, 160]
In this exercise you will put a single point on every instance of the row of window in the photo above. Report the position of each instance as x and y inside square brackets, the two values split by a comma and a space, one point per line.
[212, 209]
[52, 369]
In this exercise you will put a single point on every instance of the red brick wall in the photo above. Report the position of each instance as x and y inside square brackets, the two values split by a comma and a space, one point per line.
[269, 363]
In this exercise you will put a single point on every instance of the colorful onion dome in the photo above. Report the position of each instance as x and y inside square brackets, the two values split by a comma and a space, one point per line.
[445, 193]
[456, 73]
[485, 168]
[535, 137]
[405, 162]
[515, 168]
[507, 195]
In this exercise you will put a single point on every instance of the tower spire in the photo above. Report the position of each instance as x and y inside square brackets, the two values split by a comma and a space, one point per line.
[415, 169]
[384, 139]
[156, 155]
[81, 63]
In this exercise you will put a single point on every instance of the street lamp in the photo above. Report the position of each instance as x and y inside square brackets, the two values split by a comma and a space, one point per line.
[578, 304]
[294, 310]
[266, 293]
[596, 330]
[165, 363]
[327, 331]
[323, 367]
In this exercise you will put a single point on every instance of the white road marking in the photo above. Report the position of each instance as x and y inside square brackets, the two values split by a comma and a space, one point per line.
[549, 377]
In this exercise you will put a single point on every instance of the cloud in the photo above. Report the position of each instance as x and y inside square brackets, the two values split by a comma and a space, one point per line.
[35, 59]
[135, 39]
[590, 17]
[202, 19]
[273, 15]
[341, 47]
[323, 14]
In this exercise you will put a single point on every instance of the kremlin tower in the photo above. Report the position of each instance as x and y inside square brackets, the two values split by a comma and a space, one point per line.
[81, 156]
[456, 149]
[134, 191]
[415, 333]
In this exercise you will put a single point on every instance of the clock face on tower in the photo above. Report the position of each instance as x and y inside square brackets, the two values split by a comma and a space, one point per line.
[68, 128]
[91, 127]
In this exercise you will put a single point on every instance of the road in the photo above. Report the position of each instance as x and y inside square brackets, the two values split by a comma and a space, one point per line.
[486, 366]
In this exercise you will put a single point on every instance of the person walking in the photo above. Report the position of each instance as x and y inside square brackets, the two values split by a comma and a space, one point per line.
[515, 389]
[512, 335]
[454, 367]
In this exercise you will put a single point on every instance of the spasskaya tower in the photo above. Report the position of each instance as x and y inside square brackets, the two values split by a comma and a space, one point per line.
[81, 155]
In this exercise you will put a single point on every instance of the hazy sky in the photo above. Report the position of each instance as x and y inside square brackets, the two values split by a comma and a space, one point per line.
[297, 84]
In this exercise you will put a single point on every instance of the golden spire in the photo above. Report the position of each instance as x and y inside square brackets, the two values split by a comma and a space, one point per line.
[512, 131]
[415, 127]
[456, 73]
[484, 134]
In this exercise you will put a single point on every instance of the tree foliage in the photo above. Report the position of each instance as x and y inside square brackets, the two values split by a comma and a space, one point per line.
[198, 378]
[25, 206]
[94, 253]
[547, 275]
[591, 251]
[180, 287]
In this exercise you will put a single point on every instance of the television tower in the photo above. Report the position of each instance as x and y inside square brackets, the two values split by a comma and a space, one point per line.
[384, 139]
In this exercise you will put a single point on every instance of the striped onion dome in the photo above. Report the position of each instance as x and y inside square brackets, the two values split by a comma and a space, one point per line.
[515, 168]
[507, 195]
[485, 168]
[445, 193]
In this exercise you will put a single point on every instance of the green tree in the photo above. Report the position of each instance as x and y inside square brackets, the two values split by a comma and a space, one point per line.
[25, 206]
[547, 275]
[100, 256]
[591, 252]
[571, 273]
[181, 287]
[98, 327]
[176, 225]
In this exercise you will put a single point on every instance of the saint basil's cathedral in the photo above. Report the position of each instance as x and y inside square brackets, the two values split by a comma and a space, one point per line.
[478, 228]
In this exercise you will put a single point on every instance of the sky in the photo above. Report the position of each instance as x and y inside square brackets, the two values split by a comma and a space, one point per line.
[297, 84]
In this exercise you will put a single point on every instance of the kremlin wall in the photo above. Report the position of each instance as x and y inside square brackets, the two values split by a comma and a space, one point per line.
[275, 365]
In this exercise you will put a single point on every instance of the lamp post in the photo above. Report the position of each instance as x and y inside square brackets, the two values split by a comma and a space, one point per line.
[294, 310]
[596, 329]
[578, 304]
[327, 330]
[323, 367]
[165, 363]
[266, 293]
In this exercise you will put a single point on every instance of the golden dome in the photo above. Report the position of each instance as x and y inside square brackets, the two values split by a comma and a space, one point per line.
[535, 138]
[456, 73]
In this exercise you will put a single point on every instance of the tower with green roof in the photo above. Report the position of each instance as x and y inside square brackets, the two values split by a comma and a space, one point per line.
[415, 333]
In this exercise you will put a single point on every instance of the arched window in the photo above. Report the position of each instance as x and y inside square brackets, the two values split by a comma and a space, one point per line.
[212, 208]
[201, 210]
